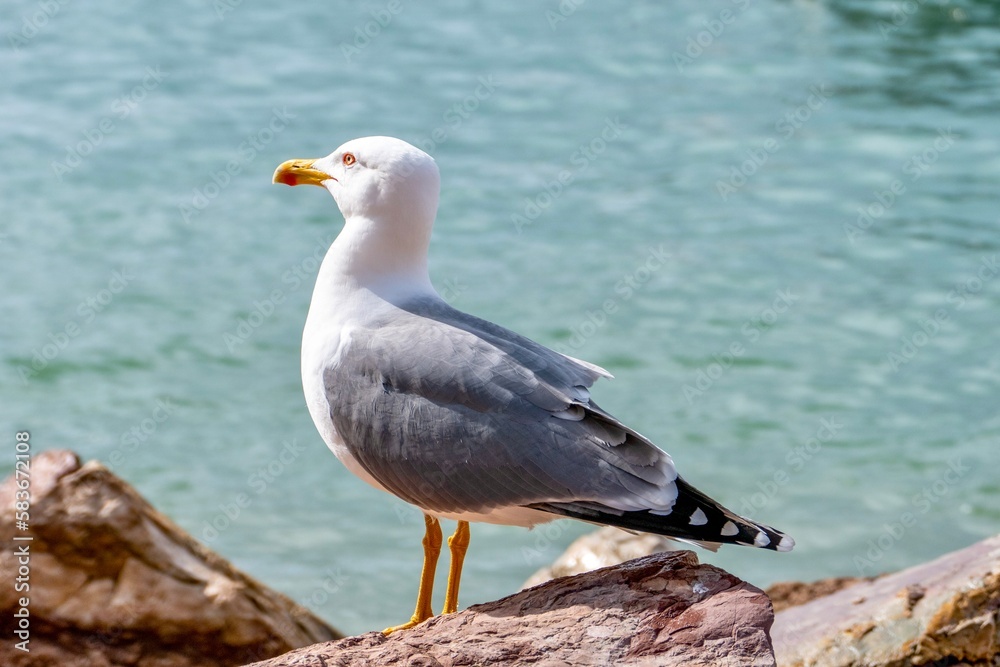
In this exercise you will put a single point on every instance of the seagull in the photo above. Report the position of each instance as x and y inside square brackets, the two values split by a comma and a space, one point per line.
[459, 416]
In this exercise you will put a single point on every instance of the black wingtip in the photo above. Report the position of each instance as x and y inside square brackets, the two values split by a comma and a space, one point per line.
[694, 517]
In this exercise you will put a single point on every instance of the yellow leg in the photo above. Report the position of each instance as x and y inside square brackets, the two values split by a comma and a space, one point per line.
[458, 544]
[432, 549]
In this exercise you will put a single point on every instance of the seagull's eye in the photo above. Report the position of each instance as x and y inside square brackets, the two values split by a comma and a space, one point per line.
[349, 159]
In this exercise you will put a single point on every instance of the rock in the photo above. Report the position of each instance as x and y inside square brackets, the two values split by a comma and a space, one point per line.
[601, 548]
[664, 609]
[785, 594]
[944, 612]
[114, 582]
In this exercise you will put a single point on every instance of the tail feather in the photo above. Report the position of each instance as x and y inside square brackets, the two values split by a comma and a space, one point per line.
[694, 517]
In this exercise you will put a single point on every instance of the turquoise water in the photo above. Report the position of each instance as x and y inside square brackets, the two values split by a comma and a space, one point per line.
[776, 224]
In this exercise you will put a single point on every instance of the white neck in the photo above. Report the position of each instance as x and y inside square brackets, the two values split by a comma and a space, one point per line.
[385, 259]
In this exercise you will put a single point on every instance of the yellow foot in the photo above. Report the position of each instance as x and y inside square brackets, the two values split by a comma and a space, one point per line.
[414, 621]
[432, 548]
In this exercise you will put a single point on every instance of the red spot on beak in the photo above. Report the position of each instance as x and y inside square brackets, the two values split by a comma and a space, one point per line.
[288, 178]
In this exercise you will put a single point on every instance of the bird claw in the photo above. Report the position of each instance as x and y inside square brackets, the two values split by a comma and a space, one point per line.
[414, 621]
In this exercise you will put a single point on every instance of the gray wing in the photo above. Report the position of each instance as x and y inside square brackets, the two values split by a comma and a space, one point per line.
[456, 414]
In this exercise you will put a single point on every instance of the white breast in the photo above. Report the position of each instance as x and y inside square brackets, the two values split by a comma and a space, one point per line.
[342, 304]
[323, 340]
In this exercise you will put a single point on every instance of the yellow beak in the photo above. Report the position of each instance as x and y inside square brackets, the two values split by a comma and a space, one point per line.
[300, 172]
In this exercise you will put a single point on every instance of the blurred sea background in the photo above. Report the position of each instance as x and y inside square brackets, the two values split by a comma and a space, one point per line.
[775, 223]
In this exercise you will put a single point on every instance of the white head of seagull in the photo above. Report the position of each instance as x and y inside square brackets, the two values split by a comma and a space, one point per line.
[388, 193]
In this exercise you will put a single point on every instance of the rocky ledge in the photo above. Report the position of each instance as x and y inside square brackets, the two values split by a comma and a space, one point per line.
[663, 609]
[115, 583]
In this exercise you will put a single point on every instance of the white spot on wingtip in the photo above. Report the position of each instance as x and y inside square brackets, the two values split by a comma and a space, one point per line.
[729, 529]
[786, 543]
[698, 518]
[762, 540]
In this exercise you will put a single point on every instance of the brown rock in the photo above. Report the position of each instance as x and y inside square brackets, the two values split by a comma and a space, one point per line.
[114, 582]
[944, 612]
[664, 609]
